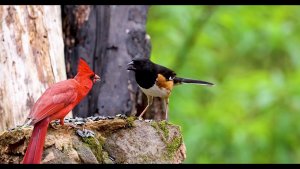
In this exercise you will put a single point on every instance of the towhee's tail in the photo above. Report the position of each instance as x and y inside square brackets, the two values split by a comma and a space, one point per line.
[179, 80]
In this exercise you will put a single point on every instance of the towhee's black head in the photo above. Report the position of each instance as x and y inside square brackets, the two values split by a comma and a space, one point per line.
[141, 64]
[145, 72]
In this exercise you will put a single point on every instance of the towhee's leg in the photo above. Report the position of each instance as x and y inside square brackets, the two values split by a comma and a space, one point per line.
[150, 101]
[166, 105]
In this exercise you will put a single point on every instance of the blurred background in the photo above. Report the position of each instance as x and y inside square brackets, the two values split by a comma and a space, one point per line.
[251, 53]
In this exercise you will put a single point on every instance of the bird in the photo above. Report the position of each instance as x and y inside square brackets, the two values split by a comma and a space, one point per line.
[55, 103]
[157, 81]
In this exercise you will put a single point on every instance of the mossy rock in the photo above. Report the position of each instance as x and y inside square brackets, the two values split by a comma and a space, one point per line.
[115, 141]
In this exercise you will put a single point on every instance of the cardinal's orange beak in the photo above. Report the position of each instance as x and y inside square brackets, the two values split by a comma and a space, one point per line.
[96, 78]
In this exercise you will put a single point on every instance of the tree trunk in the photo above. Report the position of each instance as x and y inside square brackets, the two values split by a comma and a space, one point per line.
[108, 37]
[31, 58]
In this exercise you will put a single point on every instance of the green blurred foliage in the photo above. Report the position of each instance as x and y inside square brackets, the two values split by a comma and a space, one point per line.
[252, 54]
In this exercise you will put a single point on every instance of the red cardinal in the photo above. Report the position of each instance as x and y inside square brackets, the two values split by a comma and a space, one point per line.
[55, 103]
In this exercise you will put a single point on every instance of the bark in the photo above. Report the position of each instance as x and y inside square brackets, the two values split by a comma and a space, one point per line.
[108, 37]
[31, 58]
[115, 141]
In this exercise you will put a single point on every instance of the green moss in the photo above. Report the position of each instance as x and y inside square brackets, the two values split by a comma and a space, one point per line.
[171, 145]
[101, 139]
[12, 137]
[130, 121]
[106, 159]
[96, 146]
[161, 127]
[154, 125]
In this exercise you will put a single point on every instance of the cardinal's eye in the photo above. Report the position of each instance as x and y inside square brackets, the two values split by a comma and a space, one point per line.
[92, 77]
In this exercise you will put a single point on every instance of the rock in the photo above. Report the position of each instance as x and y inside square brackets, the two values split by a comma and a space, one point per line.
[115, 141]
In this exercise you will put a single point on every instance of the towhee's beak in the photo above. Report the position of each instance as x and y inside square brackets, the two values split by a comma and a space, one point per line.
[130, 66]
[96, 78]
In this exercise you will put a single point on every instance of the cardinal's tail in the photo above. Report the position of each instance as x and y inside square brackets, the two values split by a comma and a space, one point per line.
[179, 80]
[34, 150]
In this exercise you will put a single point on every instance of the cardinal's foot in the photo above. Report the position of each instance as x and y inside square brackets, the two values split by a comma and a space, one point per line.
[54, 124]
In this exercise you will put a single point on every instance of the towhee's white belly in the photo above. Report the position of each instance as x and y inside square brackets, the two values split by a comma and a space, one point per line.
[156, 91]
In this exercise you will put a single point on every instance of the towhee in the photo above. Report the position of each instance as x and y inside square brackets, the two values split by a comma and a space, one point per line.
[157, 81]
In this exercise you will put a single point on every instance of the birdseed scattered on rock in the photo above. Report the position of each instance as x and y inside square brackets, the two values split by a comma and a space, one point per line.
[85, 133]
